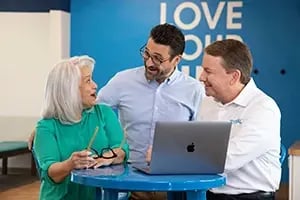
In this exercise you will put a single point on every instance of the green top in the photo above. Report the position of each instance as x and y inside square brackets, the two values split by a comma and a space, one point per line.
[55, 142]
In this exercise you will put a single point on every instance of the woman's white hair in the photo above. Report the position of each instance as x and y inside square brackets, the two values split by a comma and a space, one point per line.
[62, 95]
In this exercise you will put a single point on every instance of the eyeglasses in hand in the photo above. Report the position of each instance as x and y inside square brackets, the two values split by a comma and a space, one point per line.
[105, 153]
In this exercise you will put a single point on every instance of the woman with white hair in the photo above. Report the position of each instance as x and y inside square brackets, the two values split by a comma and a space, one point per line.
[73, 126]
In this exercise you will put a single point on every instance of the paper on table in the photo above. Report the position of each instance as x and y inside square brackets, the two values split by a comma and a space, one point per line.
[112, 170]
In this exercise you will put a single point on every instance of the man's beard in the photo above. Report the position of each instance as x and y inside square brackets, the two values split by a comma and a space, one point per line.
[156, 73]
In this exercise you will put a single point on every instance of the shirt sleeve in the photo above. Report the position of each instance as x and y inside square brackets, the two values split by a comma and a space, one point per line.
[258, 133]
[46, 148]
[110, 93]
[198, 97]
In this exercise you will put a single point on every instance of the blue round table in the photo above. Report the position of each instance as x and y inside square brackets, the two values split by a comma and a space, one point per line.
[117, 178]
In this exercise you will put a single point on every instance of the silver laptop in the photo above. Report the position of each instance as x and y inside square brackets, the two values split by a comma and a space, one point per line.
[197, 147]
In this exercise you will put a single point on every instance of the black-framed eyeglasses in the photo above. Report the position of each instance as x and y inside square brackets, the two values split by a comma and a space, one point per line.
[155, 59]
[105, 153]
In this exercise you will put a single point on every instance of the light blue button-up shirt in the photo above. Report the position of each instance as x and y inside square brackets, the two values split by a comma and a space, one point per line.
[141, 103]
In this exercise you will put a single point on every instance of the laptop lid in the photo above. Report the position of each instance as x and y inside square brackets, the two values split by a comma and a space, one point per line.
[193, 147]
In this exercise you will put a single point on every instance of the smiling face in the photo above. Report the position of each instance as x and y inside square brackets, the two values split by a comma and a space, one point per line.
[158, 52]
[218, 82]
[87, 88]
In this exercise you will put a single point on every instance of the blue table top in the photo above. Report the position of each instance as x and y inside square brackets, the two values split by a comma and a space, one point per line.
[124, 177]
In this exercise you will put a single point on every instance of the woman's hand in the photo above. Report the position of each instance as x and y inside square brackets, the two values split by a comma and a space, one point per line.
[81, 160]
[102, 162]
[108, 161]
[78, 160]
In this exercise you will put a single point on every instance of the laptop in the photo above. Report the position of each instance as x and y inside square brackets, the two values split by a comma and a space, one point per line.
[190, 147]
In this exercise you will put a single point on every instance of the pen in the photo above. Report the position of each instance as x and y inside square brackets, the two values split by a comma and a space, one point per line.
[92, 138]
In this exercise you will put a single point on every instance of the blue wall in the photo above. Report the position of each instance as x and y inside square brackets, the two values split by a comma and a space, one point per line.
[112, 32]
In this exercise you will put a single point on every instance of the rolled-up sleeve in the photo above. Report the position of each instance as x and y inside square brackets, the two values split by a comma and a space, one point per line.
[46, 147]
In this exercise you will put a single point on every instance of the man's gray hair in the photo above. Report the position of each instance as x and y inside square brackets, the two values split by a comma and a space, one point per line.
[62, 95]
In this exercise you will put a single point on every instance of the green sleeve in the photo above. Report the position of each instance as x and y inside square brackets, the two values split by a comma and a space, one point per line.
[46, 147]
[113, 129]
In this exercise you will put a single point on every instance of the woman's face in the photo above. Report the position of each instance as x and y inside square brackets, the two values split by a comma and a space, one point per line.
[88, 88]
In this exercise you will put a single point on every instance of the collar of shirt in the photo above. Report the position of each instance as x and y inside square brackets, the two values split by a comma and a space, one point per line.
[245, 96]
[171, 79]
[88, 110]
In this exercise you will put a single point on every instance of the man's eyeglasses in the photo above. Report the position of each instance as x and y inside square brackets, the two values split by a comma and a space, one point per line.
[155, 59]
[105, 153]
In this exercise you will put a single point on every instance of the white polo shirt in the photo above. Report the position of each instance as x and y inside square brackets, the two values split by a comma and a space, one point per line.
[252, 162]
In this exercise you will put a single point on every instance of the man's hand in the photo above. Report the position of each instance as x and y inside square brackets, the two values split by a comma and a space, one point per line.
[149, 154]
[30, 139]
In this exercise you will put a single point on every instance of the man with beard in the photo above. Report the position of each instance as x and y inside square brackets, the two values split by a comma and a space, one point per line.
[158, 91]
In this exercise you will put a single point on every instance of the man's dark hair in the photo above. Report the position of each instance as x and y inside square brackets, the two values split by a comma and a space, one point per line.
[235, 54]
[170, 35]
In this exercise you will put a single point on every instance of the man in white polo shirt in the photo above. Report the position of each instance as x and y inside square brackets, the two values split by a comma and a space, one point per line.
[252, 166]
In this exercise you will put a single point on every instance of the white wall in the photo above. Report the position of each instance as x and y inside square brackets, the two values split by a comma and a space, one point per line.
[30, 44]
